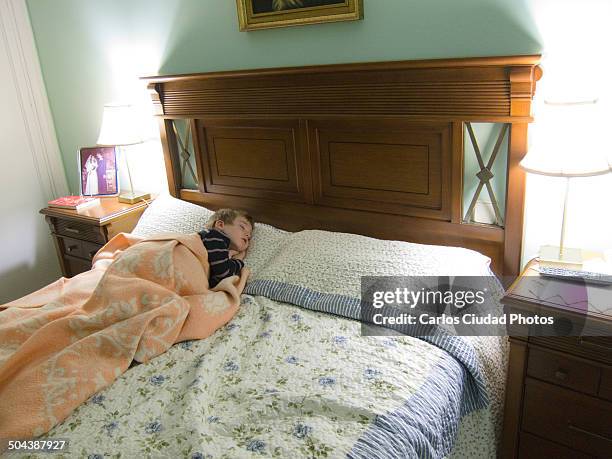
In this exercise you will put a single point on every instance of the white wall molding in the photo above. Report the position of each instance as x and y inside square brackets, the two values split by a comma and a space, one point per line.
[18, 38]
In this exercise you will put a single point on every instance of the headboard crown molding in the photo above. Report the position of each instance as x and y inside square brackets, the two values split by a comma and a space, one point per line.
[499, 88]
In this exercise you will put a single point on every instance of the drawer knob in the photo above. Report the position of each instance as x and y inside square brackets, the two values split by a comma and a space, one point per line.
[72, 248]
[561, 375]
[72, 230]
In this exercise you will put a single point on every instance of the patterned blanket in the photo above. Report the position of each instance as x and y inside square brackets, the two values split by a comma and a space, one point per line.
[335, 263]
[65, 342]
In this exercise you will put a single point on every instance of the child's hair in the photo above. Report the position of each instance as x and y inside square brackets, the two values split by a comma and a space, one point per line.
[228, 216]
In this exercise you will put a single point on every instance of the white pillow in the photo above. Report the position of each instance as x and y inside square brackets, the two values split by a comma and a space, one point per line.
[170, 215]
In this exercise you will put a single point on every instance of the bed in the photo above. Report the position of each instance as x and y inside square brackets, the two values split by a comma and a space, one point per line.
[350, 170]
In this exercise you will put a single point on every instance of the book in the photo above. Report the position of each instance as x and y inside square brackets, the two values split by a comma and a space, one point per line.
[74, 202]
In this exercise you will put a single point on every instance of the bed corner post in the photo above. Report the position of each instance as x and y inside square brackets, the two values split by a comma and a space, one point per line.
[522, 89]
[168, 140]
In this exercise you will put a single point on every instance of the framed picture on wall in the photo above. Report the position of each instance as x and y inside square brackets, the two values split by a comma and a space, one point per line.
[265, 14]
[98, 171]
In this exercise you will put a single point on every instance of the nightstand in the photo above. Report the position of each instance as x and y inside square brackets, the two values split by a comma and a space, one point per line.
[79, 235]
[559, 388]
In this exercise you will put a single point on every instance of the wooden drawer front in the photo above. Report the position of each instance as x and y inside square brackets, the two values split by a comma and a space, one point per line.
[591, 347]
[80, 230]
[71, 246]
[532, 447]
[90, 249]
[76, 266]
[605, 387]
[563, 370]
[572, 419]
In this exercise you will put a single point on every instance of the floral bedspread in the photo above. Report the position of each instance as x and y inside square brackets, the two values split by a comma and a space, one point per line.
[267, 384]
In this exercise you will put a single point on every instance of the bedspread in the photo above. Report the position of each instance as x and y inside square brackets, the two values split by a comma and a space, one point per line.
[277, 381]
[76, 336]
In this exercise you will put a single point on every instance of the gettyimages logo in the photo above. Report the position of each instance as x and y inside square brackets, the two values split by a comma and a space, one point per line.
[461, 305]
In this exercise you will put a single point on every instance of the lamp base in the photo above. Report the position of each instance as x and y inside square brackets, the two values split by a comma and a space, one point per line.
[130, 197]
[552, 254]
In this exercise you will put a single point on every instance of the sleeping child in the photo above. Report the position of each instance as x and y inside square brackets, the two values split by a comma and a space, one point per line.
[226, 238]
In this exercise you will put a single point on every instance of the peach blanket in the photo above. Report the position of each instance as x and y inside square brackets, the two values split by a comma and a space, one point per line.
[65, 342]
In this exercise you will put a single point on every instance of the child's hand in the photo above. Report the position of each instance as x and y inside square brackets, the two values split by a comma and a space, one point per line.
[238, 255]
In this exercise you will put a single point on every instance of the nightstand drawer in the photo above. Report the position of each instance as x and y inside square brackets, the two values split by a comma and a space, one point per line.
[79, 230]
[74, 266]
[569, 418]
[90, 249]
[590, 347]
[532, 447]
[563, 370]
[71, 246]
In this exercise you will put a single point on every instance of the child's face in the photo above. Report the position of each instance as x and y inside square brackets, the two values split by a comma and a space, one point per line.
[239, 232]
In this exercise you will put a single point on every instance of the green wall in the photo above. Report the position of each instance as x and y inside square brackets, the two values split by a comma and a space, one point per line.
[91, 50]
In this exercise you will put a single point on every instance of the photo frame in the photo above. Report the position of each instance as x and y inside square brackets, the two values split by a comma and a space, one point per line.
[266, 14]
[98, 174]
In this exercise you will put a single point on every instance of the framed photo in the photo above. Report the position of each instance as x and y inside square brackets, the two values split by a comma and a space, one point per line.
[98, 171]
[265, 14]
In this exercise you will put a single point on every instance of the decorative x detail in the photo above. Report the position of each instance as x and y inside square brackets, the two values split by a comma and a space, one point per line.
[184, 150]
[485, 175]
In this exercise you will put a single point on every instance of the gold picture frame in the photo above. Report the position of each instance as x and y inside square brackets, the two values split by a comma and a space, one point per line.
[267, 14]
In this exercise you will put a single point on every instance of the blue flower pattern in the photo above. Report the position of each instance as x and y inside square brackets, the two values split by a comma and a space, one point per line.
[110, 428]
[256, 446]
[327, 381]
[98, 399]
[231, 366]
[157, 380]
[371, 373]
[301, 430]
[153, 427]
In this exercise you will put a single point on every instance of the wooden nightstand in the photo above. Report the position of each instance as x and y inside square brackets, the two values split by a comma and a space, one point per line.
[79, 235]
[559, 389]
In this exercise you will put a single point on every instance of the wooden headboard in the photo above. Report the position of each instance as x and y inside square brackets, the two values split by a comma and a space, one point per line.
[374, 149]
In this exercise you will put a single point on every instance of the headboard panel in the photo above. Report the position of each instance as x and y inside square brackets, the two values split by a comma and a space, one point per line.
[375, 149]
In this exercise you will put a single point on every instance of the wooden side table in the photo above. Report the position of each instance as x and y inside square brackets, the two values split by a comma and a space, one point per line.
[559, 388]
[79, 235]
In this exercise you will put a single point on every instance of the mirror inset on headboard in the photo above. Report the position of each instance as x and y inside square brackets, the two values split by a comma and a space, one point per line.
[485, 172]
[184, 145]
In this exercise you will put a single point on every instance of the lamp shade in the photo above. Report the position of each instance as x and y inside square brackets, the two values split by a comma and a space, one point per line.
[119, 126]
[569, 142]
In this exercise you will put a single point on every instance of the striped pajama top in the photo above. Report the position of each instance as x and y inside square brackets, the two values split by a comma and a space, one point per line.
[221, 264]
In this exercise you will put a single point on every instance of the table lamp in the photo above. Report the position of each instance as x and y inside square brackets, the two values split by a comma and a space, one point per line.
[119, 129]
[571, 148]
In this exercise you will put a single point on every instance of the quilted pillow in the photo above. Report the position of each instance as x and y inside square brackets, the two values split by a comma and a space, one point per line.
[170, 215]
